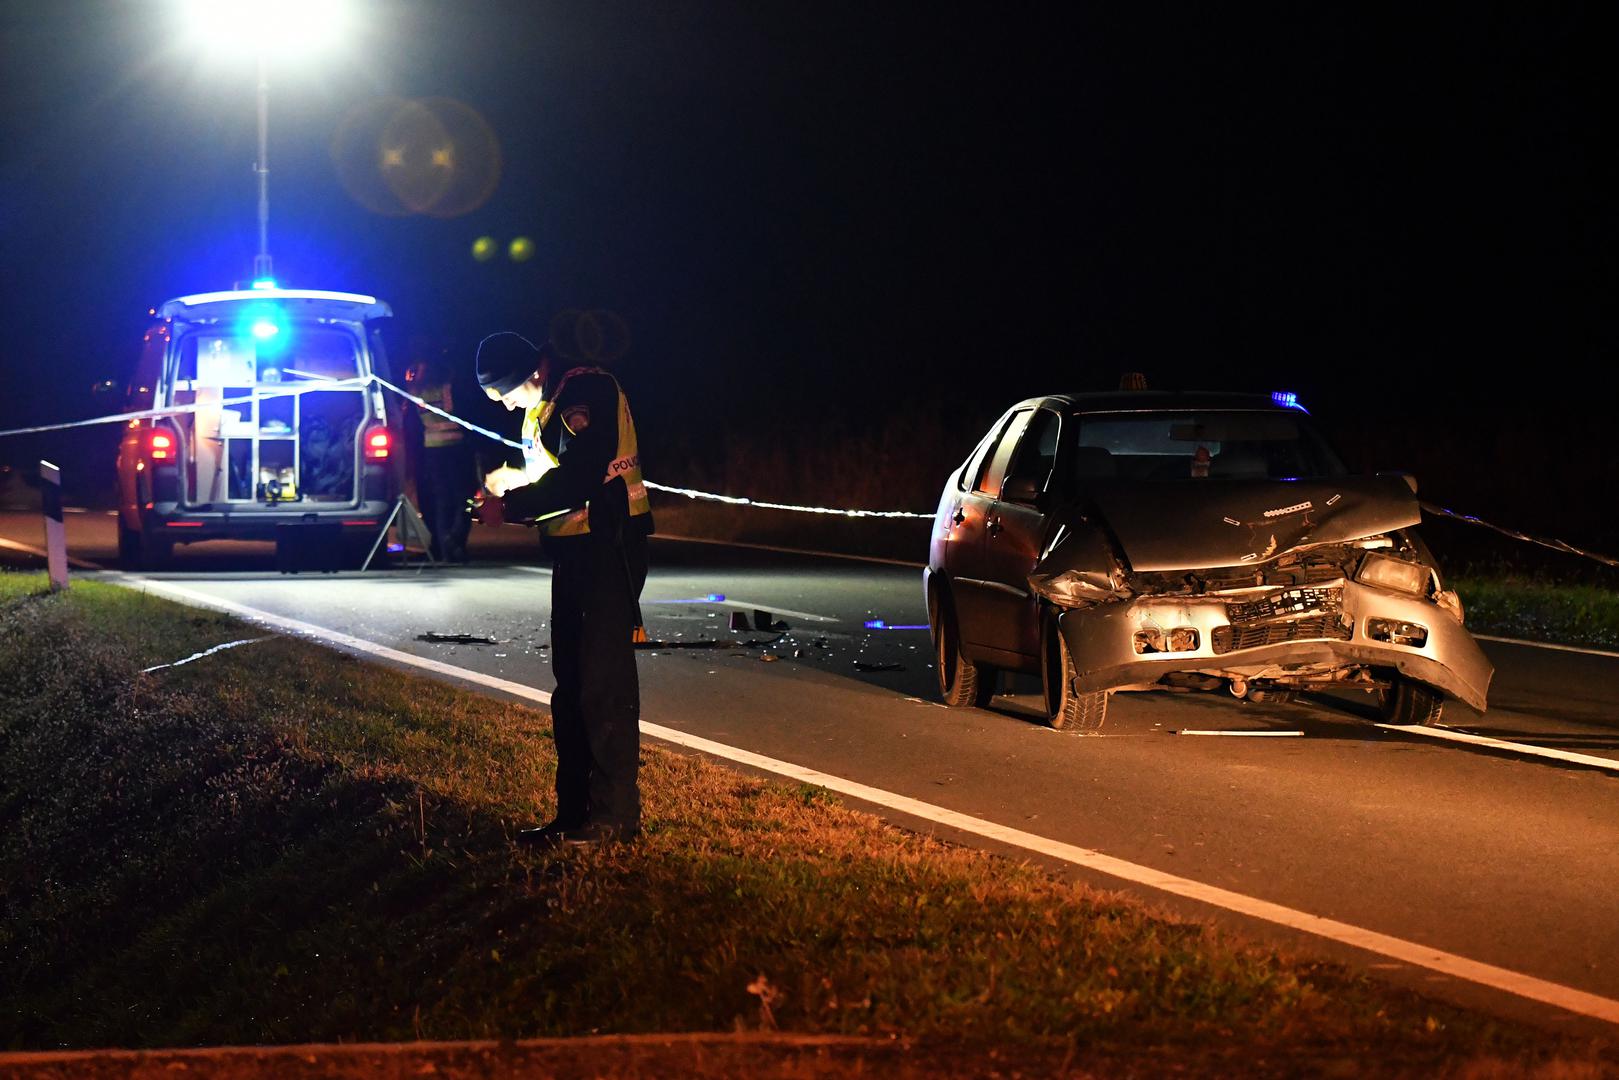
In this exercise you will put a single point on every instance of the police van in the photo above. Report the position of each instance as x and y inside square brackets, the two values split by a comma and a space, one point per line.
[276, 430]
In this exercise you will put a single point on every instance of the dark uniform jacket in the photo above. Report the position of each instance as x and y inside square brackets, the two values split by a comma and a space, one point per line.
[582, 433]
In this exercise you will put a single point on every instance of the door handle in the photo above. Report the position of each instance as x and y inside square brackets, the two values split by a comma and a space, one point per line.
[993, 527]
[958, 517]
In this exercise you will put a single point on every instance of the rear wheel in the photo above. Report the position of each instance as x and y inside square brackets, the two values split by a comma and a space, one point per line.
[1066, 708]
[1410, 704]
[138, 549]
[963, 683]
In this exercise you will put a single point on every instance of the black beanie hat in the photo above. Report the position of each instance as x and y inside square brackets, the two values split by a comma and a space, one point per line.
[506, 360]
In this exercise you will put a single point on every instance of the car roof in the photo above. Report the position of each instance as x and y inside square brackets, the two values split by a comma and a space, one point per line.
[1159, 400]
[316, 303]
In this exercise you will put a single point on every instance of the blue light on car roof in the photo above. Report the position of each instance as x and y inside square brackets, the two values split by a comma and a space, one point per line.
[264, 329]
[264, 283]
[1287, 399]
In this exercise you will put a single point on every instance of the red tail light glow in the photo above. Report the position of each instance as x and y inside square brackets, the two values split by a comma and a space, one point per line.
[160, 445]
[378, 441]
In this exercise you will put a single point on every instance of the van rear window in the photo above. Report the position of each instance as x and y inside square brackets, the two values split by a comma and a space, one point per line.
[292, 354]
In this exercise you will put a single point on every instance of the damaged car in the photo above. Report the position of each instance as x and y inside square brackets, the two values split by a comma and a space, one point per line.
[1154, 540]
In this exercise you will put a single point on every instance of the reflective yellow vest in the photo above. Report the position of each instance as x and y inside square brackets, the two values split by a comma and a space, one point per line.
[626, 459]
[436, 431]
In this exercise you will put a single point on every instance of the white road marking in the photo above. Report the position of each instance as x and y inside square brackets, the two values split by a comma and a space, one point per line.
[332, 637]
[1569, 998]
[40, 552]
[1547, 645]
[1452, 735]
[542, 570]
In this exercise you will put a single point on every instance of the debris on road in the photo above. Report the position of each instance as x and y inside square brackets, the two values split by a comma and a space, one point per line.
[456, 639]
[865, 665]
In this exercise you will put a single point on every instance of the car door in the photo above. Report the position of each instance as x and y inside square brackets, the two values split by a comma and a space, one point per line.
[972, 588]
[1015, 533]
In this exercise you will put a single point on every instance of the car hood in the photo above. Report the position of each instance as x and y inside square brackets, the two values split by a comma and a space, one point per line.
[1198, 524]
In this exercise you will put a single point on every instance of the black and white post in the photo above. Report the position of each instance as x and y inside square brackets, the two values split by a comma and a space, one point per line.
[55, 536]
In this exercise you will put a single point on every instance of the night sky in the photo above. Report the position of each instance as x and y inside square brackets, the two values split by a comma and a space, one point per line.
[813, 217]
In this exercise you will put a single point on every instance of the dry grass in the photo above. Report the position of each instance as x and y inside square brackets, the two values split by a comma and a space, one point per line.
[281, 844]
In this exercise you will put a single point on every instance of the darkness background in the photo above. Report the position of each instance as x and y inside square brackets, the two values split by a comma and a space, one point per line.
[855, 232]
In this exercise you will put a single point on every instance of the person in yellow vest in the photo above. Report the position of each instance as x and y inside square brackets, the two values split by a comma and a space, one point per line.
[445, 478]
[581, 486]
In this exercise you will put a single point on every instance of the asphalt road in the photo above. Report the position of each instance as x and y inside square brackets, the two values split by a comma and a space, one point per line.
[1491, 855]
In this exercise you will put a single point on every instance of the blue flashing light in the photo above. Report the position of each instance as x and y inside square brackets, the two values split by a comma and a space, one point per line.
[264, 283]
[265, 329]
[875, 624]
[716, 598]
[1287, 399]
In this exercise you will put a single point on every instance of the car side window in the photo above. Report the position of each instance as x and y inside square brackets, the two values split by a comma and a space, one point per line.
[1037, 453]
[993, 470]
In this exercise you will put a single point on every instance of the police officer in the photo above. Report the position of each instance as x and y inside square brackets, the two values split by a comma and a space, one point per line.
[581, 485]
[444, 471]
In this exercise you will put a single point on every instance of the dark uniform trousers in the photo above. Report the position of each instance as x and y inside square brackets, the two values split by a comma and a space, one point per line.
[596, 708]
[445, 483]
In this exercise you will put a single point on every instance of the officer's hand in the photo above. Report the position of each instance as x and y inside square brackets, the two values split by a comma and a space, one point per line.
[503, 479]
[487, 509]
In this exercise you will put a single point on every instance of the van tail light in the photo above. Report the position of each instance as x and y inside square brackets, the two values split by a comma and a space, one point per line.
[161, 444]
[378, 442]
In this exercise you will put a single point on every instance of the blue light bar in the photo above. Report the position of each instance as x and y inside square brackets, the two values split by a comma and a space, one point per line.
[1287, 399]
[264, 283]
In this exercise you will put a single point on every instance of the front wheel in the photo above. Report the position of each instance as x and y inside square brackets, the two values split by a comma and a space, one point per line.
[963, 683]
[1065, 707]
[1410, 704]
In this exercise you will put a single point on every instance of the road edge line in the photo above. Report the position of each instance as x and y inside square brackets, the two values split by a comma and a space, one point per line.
[1567, 998]
[1504, 745]
[1584, 650]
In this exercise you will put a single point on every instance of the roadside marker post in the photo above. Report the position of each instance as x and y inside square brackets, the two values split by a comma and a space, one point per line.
[55, 534]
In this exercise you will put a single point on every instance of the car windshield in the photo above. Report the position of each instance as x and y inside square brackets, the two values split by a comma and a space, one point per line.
[1228, 444]
[289, 353]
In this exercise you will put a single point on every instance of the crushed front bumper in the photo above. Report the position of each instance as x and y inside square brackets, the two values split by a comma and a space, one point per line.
[1238, 634]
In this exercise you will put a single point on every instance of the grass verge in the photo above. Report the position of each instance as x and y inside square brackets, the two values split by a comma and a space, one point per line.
[1536, 610]
[282, 844]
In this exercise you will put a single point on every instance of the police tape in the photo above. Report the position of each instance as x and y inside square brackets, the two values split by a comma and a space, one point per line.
[1553, 544]
[361, 383]
[182, 410]
[690, 493]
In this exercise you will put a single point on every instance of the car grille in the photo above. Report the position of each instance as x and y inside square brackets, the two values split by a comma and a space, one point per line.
[1231, 638]
[1289, 615]
[1282, 604]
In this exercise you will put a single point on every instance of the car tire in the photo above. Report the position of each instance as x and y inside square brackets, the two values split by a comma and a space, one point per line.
[139, 550]
[963, 683]
[1411, 704]
[1065, 707]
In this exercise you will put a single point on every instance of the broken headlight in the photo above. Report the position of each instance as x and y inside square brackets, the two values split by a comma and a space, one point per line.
[1387, 572]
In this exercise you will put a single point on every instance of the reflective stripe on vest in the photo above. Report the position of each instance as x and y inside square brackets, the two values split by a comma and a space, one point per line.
[626, 461]
[437, 431]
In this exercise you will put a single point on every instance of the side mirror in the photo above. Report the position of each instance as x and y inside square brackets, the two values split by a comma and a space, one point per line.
[1410, 481]
[1023, 489]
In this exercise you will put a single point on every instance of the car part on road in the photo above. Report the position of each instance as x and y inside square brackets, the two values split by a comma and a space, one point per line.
[456, 638]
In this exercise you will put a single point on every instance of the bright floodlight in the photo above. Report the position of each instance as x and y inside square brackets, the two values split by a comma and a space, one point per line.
[279, 28]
